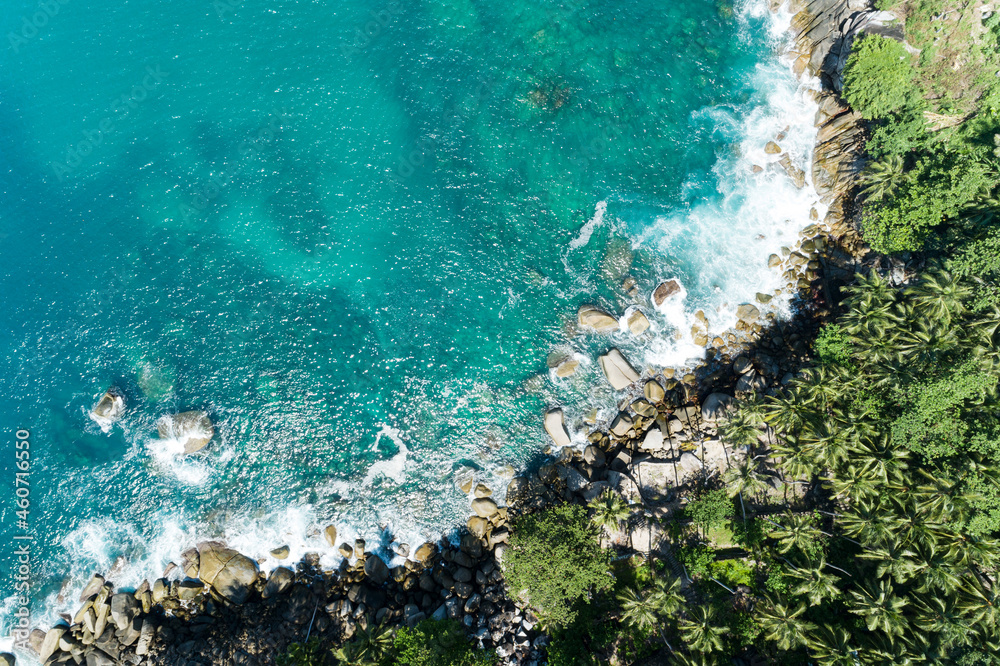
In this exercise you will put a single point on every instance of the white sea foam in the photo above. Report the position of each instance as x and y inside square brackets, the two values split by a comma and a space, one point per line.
[729, 235]
[587, 230]
[395, 467]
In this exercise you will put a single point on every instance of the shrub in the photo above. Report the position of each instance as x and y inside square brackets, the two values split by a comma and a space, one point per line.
[696, 560]
[833, 346]
[877, 76]
[555, 556]
[437, 643]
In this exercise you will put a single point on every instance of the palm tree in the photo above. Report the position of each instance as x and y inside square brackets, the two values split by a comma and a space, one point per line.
[883, 178]
[639, 610]
[744, 478]
[610, 510]
[798, 533]
[881, 608]
[785, 626]
[643, 609]
[815, 583]
[939, 296]
[944, 616]
[368, 647]
[695, 659]
[699, 631]
[831, 646]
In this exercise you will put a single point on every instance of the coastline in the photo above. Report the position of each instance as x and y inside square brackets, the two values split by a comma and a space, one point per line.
[224, 604]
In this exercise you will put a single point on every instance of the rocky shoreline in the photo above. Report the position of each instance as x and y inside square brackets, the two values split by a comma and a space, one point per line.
[216, 607]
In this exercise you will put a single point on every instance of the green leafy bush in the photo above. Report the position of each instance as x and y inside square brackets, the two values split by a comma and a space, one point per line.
[711, 510]
[833, 346]
[733, 572]
[437, 643]
[696, 560]
[556, 558]
[877, 76]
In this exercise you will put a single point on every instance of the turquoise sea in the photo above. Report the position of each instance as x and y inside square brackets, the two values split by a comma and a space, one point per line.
[352, 231]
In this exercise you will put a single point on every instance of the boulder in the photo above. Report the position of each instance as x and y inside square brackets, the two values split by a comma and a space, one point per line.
[741, 365]
[188, 589]
[797, 175]
[748, 313]
[6, 659]
[228, 572]
[665, 291]
[637, 323]
[715, 406]
[193, 430]
[281, 553]
[124, 609]
[689, 464]
[653, 441]
[574, 480]
[645, 537]
[689, 416]
[655, 477]
[376, 570]
[589, 316]
[93, 587]
[484, 507]
[330, 534]
[593, 456]
[556, 427]
[772, 148]
[594, 490]
[653, 391]
[618, 370]
[51, 642]
[425, 553]
[621, 425]
[279, 582]
[478, 526]
[346, 550]
[643, 407]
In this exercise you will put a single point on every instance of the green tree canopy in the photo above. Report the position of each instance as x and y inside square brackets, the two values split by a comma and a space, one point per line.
[556, 559]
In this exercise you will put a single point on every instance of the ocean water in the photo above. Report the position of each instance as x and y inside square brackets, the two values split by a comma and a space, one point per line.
[353, 231]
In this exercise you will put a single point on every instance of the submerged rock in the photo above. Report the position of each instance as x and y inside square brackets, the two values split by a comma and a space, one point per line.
[618, 370]
[193, 430]
[567, 368]
[108, 409]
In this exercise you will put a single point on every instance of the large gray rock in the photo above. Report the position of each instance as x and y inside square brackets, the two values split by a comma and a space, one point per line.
[6, 659]
[637, 323]
[618, 370]
[621, 425]
[194, 430]
[589, 316]
[51, 642]
[228, 572]
[484, 507]
[653, 441]
[124, 609]
[689, 465]
[93, 587]
[376, 570]
[556, 427]
[715, 406]
[653, 391]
